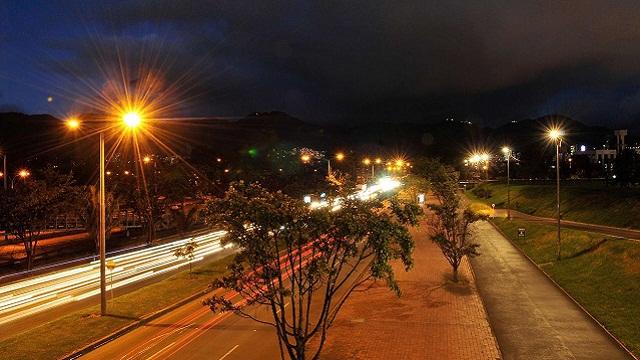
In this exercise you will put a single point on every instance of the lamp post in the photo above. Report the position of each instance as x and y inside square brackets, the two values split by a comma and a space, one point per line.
[556, 136]
[131, 120]
[22, 174]
[368, 162]
[507, 152]
[4, 171]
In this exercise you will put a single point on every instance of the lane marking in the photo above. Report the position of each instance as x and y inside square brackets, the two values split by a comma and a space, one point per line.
[161, 350]
[229, 352]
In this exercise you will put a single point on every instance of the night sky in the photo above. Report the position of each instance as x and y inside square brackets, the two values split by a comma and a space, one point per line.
[326, 61]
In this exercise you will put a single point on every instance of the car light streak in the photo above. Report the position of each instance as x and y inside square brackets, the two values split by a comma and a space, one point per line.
[30, 296]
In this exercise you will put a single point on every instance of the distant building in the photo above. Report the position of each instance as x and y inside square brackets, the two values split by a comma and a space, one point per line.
[603, 156]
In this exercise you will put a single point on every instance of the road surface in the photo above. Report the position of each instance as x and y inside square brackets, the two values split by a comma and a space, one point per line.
[531, 317]
[24, 299]
[193, 332]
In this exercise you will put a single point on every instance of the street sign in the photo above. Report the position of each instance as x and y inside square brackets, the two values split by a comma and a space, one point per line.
[522, 232]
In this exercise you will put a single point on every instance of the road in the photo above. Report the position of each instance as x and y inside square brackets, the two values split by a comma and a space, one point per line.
[25, 298]
[601, 229]
[193, 332]
[531, 317]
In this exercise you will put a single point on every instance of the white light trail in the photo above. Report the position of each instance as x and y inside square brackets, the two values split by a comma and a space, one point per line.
[30, 296]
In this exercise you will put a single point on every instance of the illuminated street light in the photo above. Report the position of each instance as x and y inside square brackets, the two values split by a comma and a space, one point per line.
[366, 161]
[146, 159]
[339, 156]
[507, 153]
[22, 173]
[132, 119]
[305, 158]
[555, 134]
[72, 123]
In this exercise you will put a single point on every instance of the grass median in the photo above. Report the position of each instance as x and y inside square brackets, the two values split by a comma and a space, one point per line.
[66, 334]
[600, 272]
[589, 203]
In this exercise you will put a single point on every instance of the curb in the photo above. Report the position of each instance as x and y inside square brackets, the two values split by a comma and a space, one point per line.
[613, 337]
[493, 334]
[127, 328]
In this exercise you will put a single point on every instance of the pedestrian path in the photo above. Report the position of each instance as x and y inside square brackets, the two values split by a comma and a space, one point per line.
[531, 317]
[433, 319]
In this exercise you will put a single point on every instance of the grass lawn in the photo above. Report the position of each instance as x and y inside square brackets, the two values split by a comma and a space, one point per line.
[590, 203]
[60, 337]
[601, 272]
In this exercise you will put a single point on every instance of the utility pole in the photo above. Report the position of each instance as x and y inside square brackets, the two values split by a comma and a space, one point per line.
[558, 143]
[102, 232]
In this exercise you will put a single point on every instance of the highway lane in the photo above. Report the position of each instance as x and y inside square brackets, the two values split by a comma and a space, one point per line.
[193, 332]
[25, 298]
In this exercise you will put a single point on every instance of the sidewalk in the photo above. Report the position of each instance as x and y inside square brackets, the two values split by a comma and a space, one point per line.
[531, 317]
[433, 319]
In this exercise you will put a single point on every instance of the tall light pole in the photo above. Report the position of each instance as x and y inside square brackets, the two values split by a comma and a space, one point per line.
[23, 174]
[4, 171]
[556, 136]
[130, 120]
[368, 162]
[507, 152]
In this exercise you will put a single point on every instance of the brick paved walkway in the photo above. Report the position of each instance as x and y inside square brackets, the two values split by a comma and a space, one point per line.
[433, 319]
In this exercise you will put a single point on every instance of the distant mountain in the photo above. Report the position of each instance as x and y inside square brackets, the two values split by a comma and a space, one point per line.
[30, 136]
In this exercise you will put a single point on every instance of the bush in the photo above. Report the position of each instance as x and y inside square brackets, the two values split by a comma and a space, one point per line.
[482, 191]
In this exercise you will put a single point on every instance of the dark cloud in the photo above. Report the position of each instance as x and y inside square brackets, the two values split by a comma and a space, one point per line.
[492, 60]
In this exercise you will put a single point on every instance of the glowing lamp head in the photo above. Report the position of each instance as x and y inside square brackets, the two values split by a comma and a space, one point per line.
[1, 174]
[506, 150]
[340, 156]
[305, 158]
[23, 173]
[484, 157]
[555, 134]
[146, 159]
[72, 123]
[366, 161]
[132, 119]
[378, 161]
[399, 162]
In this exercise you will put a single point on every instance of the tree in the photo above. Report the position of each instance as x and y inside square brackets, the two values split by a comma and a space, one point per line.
[452, 221]
[627, 167]
[311, 260]
[88, 211]
[32, 203]
[187, 251]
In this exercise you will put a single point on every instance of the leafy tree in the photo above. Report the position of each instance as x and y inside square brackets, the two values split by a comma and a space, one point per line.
[32, 203]
[88, 211]
[311, 260]
[452, 221]
[187, 251]
[627, 167]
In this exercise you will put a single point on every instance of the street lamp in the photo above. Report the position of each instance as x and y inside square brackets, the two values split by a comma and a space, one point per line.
[555, 135]
[339, 157]
[368, 162]
[23, 174]
[508, 153]
[130, 120]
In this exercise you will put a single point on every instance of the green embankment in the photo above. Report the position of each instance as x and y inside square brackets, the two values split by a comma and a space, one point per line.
[60, 337]
[600, 272]
[589, 203]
